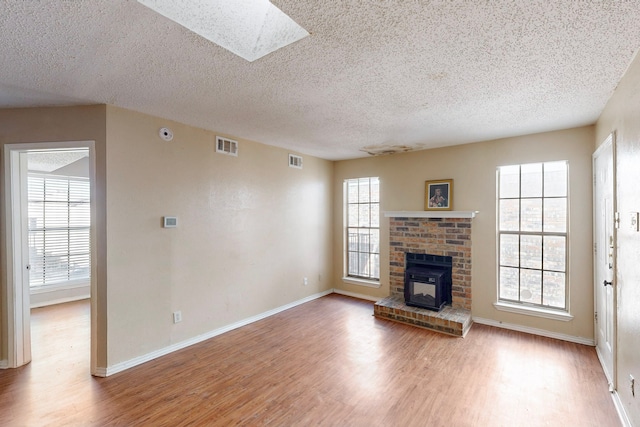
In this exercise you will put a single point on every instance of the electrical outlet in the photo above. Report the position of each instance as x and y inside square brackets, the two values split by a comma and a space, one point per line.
[632, 384]
[177, 316]
[305, 281]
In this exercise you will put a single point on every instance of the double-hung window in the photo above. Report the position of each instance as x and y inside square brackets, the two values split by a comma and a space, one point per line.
[362, 203]
[532, 234]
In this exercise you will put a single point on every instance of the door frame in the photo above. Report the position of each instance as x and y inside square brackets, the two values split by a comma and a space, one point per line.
[18, 308]
[610, 141]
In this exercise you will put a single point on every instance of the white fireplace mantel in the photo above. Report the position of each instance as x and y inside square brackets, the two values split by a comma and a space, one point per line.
[430, 214]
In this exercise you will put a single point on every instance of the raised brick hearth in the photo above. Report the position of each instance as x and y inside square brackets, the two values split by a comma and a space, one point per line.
[438, 236]
[453, 321]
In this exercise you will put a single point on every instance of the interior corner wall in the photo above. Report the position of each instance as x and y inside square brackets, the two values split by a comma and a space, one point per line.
[473, 170]
[622, 116]
[250, 228]
[60, 124]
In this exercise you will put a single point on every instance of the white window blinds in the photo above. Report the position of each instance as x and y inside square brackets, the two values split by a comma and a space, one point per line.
[59, 222]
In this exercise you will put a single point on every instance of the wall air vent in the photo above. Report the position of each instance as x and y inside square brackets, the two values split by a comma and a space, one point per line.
[226, 146]
[295, 161]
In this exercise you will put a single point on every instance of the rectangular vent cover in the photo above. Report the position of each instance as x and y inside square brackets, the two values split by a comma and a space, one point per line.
[226, 146]
[295, 161]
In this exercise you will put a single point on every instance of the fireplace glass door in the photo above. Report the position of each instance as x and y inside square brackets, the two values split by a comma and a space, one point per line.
[424, 288]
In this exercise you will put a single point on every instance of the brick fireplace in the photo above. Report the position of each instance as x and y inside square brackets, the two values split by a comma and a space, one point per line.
[438, 233]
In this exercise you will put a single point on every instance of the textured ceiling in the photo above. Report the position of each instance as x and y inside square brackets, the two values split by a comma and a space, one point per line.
[372, 73]
[49, 161]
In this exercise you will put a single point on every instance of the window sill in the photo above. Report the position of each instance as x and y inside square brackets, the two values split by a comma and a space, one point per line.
[533, 311]
[361, 282]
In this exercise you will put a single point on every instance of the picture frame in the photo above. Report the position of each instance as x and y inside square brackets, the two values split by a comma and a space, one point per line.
[438, 195]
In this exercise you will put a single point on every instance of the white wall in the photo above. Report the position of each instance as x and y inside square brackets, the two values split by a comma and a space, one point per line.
[622, 115]
[59, 295]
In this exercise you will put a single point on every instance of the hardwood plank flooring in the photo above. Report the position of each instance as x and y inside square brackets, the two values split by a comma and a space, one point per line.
[328, 362]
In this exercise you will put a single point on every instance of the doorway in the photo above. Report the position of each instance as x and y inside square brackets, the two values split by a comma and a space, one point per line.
[604, 236]
[58, 226]
[26, 228]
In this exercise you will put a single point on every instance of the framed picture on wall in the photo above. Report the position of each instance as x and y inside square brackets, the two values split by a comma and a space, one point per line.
[438, 195]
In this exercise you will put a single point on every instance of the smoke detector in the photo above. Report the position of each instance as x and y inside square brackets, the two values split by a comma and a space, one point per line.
[166, 134]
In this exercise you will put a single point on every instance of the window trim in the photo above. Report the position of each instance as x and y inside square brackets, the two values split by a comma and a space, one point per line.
[521, 307]
[534, 310]
[361, 282]
[346, 278]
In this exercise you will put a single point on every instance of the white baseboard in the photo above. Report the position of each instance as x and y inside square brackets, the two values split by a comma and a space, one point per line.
[356, 295]
[626, 422]
[604, 367]
[4, 364]
[119, 367]
[614, 394]
[534, 331]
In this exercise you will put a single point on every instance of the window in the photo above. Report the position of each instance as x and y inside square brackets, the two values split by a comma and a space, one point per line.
[59, 223]
[532, 234]
[363, 227]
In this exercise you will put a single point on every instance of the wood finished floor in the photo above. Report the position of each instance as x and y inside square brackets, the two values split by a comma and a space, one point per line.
[328, 362]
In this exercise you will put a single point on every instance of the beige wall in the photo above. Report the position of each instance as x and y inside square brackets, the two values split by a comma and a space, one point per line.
[249, 229]
[60, 125]
[473, 169]
[622, 115]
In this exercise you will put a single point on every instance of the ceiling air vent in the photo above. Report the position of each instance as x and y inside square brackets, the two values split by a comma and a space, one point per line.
[295, 161]
[226, 146]
[385, 149]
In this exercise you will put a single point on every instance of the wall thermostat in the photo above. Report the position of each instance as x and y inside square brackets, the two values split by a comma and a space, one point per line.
[166, 134]
[169, 221]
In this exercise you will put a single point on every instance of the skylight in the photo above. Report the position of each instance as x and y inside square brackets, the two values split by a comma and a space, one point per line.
[250, 29]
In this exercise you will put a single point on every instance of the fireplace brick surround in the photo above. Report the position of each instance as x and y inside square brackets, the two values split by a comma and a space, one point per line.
[445, 236]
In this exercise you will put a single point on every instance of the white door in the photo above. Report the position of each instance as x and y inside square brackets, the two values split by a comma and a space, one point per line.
[604, 256]
[18, 294]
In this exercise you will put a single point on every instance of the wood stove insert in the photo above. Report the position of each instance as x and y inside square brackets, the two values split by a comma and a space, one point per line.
[427, 281]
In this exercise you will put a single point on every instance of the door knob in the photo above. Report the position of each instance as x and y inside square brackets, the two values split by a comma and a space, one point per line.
[605, 283]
